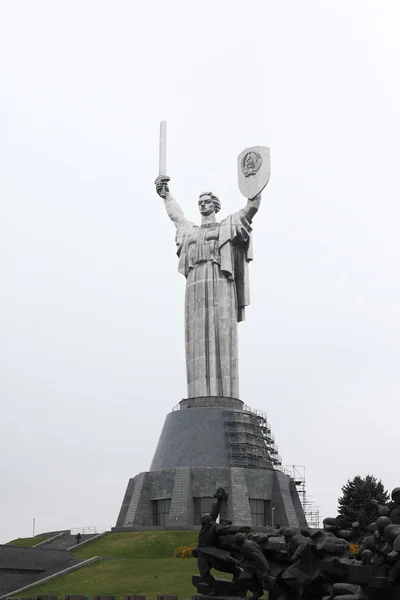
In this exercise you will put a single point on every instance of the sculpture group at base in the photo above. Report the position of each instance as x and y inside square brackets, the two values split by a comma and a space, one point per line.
[291, 564]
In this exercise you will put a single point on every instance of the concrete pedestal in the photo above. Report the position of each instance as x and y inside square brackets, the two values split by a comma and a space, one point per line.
[209, 443]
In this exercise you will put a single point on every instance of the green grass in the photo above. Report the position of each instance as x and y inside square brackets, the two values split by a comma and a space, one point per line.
[119, 577]
[28, 542]
[136, 563]
[146, 544]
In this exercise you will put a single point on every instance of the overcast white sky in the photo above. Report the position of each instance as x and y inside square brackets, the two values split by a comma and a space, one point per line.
[91, 321]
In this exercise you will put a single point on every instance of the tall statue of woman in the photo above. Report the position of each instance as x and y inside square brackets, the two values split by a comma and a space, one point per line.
[214, 259]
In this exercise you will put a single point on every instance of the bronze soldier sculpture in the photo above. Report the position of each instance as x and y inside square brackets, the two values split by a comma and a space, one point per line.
[208, 552]
[393, 509]
[255, 568]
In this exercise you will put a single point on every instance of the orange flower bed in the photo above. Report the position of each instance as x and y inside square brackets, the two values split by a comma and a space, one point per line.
[354, 548]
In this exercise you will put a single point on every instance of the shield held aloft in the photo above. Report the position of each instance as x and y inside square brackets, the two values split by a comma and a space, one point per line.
[254, 170]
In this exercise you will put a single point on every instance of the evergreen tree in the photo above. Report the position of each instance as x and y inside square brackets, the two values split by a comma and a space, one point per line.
[355, 503]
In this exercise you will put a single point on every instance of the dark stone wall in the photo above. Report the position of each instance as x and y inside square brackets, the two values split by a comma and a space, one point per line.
[162, 484]
[21, 566]
[285, 513]
[260, 483]
[144, 510]
[11, 579]
[33, 559]
[211, 402]
[206, 481]
[125, 503]
[192, 438]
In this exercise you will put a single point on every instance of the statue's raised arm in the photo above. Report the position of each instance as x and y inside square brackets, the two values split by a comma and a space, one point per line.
[173, 209]
[252, 206]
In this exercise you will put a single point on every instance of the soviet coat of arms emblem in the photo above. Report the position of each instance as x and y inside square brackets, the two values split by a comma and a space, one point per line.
[251, 162]
[254, 170]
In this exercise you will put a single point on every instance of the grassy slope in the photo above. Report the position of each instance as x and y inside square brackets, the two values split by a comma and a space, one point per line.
[119, 577]
[134, 560]
[28, 542]
[146, 544]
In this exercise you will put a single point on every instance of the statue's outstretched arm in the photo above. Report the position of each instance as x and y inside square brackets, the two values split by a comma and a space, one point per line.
[252, 206]
[215, 510]
[173, 209]
[220, 495]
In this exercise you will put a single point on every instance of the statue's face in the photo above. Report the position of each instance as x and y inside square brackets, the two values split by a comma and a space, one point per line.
[206, 205]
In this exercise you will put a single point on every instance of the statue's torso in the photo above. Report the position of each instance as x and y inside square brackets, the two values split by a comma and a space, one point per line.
[394, 514]
[203, 245]
[208, 536]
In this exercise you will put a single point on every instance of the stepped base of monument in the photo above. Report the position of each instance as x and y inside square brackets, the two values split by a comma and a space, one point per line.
[225, 588]
[177, 498]
[201, 595]
[229, 590]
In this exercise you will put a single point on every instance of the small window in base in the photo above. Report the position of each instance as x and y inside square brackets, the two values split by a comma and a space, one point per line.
[161, 510]
[260, 512]
[203, 506]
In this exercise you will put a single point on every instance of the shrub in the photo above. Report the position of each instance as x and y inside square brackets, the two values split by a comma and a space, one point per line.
[183, 552]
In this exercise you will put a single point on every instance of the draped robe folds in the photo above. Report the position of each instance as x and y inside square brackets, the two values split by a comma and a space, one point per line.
[214, 259]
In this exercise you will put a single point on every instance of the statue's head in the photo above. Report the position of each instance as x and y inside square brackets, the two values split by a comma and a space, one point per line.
[208, 203]
[396, 495]
[206, 519]
[240, 539]
[366, 557]
[289, 533]
[329, 524]
[381, 524]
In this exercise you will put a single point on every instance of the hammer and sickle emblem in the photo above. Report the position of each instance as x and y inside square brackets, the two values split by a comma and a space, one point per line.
[251, 163]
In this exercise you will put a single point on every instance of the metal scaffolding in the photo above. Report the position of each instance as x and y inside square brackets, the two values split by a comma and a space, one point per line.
[250, 441]
[311, 512]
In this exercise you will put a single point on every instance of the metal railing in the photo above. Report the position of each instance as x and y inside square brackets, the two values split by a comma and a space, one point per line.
[90, 529]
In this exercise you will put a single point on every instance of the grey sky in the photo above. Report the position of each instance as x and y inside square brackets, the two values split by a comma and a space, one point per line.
[91, 326]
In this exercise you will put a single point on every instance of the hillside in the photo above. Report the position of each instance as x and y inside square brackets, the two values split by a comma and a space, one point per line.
[135, 563]
[120, 577]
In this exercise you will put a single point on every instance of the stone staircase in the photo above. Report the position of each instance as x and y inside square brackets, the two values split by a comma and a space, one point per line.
[65, 541]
